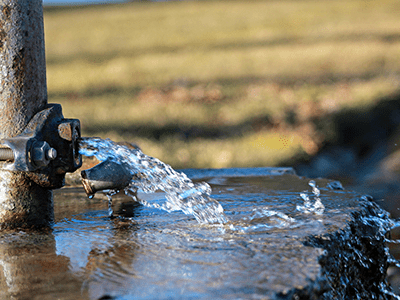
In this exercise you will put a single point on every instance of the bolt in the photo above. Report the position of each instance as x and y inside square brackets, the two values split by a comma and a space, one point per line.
[42, 153]
[51, 154]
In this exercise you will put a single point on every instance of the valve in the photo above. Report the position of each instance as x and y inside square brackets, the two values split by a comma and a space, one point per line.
[47, 149]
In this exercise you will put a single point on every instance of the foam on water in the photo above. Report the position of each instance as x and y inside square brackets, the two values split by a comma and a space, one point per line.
[150, 175]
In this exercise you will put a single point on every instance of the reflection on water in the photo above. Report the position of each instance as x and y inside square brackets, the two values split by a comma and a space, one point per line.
[146, 253]
[30, 268]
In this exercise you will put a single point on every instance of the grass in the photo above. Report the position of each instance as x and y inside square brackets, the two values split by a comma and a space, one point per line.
[220, 83]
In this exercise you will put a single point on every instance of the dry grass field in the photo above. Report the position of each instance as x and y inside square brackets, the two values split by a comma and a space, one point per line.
[221, 83]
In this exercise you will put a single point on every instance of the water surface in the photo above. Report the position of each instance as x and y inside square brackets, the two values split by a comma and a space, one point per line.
[148, 253]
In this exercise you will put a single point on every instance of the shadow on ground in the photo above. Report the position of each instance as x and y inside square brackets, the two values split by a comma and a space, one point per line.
[184, 132]
[364, 152]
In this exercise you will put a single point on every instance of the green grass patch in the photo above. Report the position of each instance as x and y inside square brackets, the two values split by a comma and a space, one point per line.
[220, 83]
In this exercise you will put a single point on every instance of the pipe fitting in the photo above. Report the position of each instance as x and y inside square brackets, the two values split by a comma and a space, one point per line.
[107, 175]
[47, 148]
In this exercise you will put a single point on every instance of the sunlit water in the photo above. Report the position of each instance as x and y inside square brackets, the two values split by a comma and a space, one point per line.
[150, 175]
[252, 249]
[147, 253]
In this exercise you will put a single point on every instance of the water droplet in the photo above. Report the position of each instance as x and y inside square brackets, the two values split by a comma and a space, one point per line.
[308, 207]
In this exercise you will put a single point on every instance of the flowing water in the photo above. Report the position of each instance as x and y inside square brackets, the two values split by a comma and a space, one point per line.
[150, 175]
[159, 244]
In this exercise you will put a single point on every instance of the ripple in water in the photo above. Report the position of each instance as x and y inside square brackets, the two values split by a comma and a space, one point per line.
[150, 175]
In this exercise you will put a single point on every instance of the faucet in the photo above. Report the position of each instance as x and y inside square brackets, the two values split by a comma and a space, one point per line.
[107, 175]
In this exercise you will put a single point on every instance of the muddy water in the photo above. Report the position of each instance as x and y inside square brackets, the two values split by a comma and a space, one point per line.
[146, 253]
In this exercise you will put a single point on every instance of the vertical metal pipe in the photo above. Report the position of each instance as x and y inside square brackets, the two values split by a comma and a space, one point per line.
[23, 93]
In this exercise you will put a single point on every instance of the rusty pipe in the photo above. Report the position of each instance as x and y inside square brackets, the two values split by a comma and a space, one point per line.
[22, 56]
[23, 93]
[107, 175]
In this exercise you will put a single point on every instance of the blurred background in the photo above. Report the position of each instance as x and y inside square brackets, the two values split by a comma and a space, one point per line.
[214, 84]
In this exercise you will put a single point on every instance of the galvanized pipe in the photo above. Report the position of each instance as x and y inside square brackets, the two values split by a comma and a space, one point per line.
[23, 93]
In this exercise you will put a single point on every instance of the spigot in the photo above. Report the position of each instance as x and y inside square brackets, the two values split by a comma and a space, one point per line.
[107, 175]
[46, 149]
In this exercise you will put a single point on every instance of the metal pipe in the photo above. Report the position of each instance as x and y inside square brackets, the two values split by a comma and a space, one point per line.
[23, 93]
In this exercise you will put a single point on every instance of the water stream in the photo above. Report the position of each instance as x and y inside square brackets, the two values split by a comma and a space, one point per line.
[149, 175]
[254, 240]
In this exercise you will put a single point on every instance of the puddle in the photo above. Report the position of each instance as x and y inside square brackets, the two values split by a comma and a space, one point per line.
[147, 253]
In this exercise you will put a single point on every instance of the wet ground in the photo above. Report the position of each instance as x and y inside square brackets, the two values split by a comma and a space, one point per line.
[263, 252]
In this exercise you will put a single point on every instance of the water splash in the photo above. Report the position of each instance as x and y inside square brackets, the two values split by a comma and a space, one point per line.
[308, 207]
[384, 224]
[109, 195]
[385, 290]
[150, 175]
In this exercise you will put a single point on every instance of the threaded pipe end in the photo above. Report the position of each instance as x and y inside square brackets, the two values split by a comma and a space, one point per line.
[6, 154]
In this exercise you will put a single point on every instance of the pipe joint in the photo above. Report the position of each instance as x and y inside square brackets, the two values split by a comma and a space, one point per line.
[47, 148]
